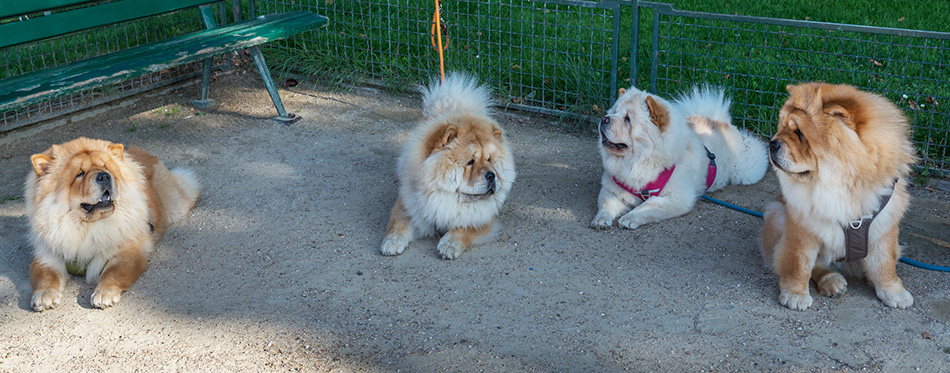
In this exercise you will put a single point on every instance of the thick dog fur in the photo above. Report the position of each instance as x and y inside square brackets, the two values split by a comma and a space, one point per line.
[643, 134]
[96, 203]
[836, 151]
[454, 172]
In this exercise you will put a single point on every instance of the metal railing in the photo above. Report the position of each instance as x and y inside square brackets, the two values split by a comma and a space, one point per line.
[568, 57]
[755, 58]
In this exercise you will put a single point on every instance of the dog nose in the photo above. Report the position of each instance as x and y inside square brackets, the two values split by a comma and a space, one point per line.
[490, 177]
[774, 145]
[606, 120]
[103, 178]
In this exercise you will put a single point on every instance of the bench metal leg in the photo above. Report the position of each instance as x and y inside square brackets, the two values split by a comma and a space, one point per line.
[286, 118]
[203, 101]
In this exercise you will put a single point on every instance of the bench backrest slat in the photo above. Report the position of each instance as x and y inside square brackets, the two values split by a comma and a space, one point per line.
[61, 23]
[13, 8]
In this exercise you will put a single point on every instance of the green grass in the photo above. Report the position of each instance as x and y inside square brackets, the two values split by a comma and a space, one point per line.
[94, 42]
[559, 56]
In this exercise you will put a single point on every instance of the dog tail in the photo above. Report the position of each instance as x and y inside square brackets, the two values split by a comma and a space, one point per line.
[751, 159]
[187, 194]
[460, 93]
[706, 101]
[749, 156]
[772, 231]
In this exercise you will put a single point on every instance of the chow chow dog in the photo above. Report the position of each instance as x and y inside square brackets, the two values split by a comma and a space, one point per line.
[454, 172]
[842, 157]
[96, 209]
[660, 156]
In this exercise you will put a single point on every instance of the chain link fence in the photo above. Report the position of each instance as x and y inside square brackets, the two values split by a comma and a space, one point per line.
[755, 58]
[561, 57]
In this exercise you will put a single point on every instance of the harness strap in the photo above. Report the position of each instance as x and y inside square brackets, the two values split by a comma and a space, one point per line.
[653, 188]
[656, 186]
[856, 232]
[711, 170]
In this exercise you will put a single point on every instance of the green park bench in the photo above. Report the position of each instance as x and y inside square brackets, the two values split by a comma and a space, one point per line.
[35, 20]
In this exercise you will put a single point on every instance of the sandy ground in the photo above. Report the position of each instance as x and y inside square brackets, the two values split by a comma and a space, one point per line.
[278, 268]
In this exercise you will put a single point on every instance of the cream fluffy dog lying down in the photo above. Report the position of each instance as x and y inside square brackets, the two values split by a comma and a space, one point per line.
[658, 155]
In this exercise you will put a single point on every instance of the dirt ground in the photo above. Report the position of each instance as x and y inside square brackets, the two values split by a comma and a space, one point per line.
[278, 267]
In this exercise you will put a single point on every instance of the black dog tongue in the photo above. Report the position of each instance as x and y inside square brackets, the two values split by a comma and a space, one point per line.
[105, 197]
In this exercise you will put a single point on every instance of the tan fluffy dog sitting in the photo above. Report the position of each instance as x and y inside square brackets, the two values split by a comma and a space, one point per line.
[842, 157]
[454, 172]
[96, 208]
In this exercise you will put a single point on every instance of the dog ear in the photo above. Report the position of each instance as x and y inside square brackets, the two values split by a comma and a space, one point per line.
[497, 132]
[837, 111]
[659, 114]
[817, 103]
[621, 91]
[440, 138]
[449, 133]
[41, 163]
[117, 150]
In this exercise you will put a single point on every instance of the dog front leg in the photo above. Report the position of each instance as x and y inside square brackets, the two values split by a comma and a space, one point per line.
[460, 240]
[399, 232]
[47, 281]
[880, 267]
[653, 210]
[121, 271]
[794, 260]
[609, 207]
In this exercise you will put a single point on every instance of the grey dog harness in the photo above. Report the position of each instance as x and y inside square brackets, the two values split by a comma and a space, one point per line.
[856, 232]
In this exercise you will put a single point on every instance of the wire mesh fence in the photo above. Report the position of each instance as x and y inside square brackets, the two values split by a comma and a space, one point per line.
[550, 56]
[565, 57]
[755, 58]
[569, 57]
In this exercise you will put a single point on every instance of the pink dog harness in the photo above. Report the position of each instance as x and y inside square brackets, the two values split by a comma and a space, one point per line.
[656, 186]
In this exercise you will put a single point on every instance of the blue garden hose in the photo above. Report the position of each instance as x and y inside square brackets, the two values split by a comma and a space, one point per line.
[759, 214]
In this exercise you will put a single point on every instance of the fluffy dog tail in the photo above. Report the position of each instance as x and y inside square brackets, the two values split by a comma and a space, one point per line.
[749, 156]
[751, 159]
[185, 195]
[460, 93]
[706, 101]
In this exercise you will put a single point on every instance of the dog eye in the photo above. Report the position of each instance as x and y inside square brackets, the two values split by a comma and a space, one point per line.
[471, 162]
[80, 174]
[626, 119]
[800, 136]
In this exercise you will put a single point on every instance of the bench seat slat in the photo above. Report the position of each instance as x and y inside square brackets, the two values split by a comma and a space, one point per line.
[42, 85]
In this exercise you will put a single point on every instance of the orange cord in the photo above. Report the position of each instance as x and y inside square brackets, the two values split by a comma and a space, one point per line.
[436, 17]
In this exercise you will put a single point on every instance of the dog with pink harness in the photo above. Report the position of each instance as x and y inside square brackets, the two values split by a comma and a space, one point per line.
[660, 156]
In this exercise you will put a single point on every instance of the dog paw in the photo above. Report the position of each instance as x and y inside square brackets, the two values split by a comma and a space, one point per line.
[798, 302]
[629, 222]
[832, 285]
[601, 221]
[46, 299]
[449, 249]
[901, 300]
[106, 297]
[393, 245]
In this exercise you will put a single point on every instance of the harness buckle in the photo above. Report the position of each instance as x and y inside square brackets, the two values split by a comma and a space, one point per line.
[644, 194]
[858, 222]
